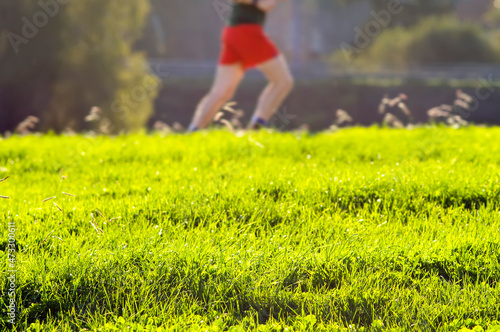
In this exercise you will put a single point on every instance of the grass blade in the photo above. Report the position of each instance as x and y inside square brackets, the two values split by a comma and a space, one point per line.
[58, 207]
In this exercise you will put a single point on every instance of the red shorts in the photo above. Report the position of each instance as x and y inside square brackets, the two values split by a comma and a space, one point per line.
[246, 44]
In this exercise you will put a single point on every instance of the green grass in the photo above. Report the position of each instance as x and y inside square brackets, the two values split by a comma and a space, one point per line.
[359, 230]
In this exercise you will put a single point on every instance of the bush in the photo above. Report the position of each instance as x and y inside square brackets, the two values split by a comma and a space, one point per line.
[435, 40]
[80, 57]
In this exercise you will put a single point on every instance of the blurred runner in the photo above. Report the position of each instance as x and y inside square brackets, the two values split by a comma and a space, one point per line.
[245, 45]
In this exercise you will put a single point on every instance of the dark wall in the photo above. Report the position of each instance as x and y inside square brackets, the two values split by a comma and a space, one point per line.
[315, 103]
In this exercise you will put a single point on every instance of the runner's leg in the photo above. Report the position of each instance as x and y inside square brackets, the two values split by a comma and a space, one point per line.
[280, 85]
[227, 79]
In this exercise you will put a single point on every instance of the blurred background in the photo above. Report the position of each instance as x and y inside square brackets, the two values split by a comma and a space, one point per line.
[116, 66]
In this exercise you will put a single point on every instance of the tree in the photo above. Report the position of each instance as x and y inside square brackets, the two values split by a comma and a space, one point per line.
[416, 10]
[63, 57]
[492, 16]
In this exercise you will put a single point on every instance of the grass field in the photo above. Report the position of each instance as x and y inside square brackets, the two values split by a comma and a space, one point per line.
[358, 230]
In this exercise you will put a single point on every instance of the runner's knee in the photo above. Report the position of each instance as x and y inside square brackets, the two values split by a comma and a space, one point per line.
[285, 84]
[288, 83]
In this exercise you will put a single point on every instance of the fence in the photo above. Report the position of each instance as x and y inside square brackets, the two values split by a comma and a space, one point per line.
[319, 70]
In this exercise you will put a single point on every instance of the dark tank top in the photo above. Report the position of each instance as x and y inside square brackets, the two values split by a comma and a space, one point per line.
[246, 14]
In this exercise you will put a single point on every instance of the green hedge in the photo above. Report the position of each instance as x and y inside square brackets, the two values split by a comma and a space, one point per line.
[435, 40]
